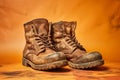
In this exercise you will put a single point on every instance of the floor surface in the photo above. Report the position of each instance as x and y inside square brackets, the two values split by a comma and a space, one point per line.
[110, 71]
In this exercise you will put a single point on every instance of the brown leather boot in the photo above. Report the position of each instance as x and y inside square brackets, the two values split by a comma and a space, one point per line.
[63, 37]
[39, 53]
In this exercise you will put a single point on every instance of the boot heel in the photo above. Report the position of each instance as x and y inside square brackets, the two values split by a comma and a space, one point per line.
[24, 62]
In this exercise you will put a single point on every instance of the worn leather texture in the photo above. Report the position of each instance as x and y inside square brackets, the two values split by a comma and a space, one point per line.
[64, 39]
[38, 48]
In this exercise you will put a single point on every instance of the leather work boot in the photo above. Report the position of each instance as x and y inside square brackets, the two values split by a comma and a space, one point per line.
[39, 53]
[63, 37]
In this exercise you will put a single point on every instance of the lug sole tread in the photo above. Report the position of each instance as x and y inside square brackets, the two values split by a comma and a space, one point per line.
[86, 65]
[47, 66]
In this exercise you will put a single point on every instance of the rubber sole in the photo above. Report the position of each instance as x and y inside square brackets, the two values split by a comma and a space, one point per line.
[46, 66]
[86, 65]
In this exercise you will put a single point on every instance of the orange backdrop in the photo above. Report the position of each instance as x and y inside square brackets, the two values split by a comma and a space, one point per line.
[98, 24]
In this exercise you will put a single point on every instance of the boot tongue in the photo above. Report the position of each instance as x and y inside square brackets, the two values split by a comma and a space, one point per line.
[43, 29]
[41, 26]
[69, 27]
[73, 26]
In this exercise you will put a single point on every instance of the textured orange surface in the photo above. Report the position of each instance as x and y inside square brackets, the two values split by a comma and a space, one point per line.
[109, 71]
[98, 24]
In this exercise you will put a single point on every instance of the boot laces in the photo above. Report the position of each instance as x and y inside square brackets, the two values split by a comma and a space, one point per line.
[43, 41]
[77, 43]
[70, 41]
[75, 40]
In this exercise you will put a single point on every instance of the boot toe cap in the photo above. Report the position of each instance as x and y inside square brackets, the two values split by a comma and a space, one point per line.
[88, 57]
[55, 57]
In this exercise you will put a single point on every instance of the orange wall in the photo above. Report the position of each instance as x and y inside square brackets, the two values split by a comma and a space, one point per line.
[98, 24]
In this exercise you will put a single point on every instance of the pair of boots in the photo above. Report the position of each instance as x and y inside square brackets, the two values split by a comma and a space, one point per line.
[50, 46]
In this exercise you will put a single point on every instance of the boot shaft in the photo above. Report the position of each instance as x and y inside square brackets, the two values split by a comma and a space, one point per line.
[61, 34]
[36, 26]
[37, 34]
[65, 30]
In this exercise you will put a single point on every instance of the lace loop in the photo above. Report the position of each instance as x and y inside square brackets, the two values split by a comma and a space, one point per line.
[72, 41]
[69, 40]
[77, 43]
[43, 41]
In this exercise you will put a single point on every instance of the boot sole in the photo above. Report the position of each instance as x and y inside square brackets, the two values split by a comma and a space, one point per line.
[86, 65]
[46, 66]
